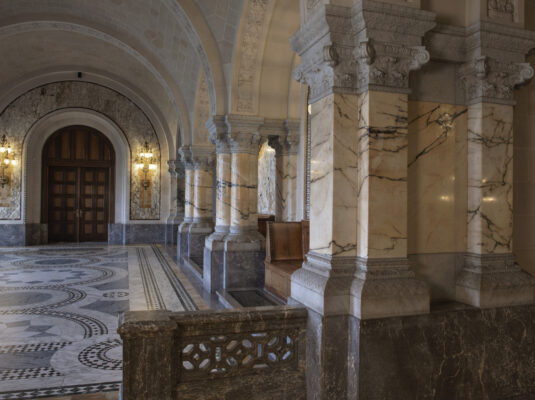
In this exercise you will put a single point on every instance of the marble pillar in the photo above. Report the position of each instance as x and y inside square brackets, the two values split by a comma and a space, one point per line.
[385, 285]
[286, 177]
[244, 250]
[176, 212]
[183, 228]
[202, 186]
[213, 267]
[491, 278]
[356, 61]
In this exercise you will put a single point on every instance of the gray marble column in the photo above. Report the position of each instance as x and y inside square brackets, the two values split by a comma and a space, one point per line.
[490, 277]
[244, 251]
[183, 228]
[215, 243]
[202, 224]
[286, 176]
[176, 212]
[357, 63]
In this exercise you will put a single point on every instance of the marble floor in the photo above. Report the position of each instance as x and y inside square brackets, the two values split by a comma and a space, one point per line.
[59, 308]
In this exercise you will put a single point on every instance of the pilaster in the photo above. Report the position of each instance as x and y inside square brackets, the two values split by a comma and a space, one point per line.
[176, 213]
[495, 66]
[183, 228]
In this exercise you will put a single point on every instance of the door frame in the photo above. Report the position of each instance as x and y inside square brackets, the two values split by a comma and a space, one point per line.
[46, 164]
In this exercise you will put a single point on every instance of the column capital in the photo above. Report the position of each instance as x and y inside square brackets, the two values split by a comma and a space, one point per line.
[217, 126]
[371, 46]
[176, 168]
[202, 157]
[495, 63]
[244, 133]
[185, 154]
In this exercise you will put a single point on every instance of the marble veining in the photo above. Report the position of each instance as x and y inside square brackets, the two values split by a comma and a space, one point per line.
[490, 178]
[333, 211]
[244, 190]
[223, 189]
[269, 194]
[437, 161]
[202, 185]
[188, 193]
[382, 175]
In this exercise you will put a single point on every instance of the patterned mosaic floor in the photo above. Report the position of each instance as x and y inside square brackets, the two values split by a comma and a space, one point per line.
[58, 314]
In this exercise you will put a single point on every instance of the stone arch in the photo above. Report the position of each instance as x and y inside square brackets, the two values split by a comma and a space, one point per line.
[201, 113]
[41, 132]
[19, 117]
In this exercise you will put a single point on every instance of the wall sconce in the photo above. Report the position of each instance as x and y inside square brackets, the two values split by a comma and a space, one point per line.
[146, 163]
[7, 159]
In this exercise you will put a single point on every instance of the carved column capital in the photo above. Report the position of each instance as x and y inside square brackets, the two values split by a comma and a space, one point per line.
[185, 154]
[217, 126]
[371, 46]
[486, 79]
[202, 157]
[244, 133]
[176, 168]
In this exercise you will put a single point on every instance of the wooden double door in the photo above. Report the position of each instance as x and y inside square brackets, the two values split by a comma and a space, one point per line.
[78, 185]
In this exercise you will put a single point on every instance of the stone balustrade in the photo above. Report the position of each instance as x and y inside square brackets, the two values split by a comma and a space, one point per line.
[253, 354]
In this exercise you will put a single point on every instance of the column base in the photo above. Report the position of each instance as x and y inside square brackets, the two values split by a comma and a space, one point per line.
[386, 288]
[243, 259]
[198, 231]
[494, 280]
[182, 240]
[213, 266]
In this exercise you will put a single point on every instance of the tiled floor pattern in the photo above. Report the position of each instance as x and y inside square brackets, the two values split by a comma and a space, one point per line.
[58, 314]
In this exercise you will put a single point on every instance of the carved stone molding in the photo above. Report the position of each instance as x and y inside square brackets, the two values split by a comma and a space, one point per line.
[503, 10]
[388, 65]
[373, 45]
[176, 168]
[486, 79]
[244, 133]
[202, 157]
[217, 126]
[186, 157]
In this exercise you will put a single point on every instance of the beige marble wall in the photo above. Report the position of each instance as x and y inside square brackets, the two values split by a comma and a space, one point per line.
[333, 212]
[437, 178]
[202, 184]
[268, 193]
[188, 193]
[223, 189]
[244, 190]
[382, 175]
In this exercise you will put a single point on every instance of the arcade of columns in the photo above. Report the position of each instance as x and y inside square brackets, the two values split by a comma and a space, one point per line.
[356, 62]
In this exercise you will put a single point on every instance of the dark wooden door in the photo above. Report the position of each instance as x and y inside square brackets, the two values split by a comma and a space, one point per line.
[78, 185]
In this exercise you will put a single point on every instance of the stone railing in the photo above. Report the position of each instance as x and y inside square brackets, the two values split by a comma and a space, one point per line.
[233, 354]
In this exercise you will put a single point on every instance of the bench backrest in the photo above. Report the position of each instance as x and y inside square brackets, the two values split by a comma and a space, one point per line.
[284, 241]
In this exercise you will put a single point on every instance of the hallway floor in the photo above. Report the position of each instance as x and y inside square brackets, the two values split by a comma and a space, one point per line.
[58, 313]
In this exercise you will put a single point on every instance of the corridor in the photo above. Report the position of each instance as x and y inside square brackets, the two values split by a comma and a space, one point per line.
[58, 313]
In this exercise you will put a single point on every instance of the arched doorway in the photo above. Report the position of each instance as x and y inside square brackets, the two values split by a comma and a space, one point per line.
[78, 185]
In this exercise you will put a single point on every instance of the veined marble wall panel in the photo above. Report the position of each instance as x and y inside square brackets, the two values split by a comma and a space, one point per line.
[240, 190]
[202, 181]
[490, 178]
[333, 190]
[382, 193]
[437, 179]
[18, 118]
[266, 180]
[189, 192]
[223, 189]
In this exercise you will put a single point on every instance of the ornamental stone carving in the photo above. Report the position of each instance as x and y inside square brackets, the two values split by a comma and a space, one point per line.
[373, 45]
[487, 79]
[506, 10]
[202, 157]
[217, 126]
[244, 133]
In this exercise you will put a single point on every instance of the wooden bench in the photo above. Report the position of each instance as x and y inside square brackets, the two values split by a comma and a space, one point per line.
[286, 247]
[263, 220]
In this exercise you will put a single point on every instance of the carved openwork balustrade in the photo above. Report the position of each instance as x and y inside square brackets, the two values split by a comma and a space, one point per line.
[232, 354]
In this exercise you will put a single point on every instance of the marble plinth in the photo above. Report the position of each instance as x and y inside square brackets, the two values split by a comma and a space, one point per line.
[20, 234]
[136, 233]
[197, 236]
[464, 354]
[213, 263]
[182, 240]
[171, 232]
[244, 255]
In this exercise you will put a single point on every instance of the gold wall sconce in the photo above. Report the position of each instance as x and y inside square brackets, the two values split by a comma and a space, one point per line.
[7, 159]
[147, 164]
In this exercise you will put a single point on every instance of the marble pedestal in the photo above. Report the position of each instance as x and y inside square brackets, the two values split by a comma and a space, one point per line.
[213, 263]
[171, 232]
[198, 232]
[243, 259]
[182, 240]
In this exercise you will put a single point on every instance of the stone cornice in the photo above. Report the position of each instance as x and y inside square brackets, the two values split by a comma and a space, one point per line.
[202, 157]
[273, 127]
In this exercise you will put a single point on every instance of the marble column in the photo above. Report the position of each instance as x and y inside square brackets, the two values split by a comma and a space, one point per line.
[183, 228]
[176, 212]
[286, 177]
[244, 250]
[202, 185]
[490, 277]
[357, 62]
[215, 243]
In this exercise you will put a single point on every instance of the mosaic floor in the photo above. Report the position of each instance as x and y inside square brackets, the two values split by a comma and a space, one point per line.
[58, 314]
